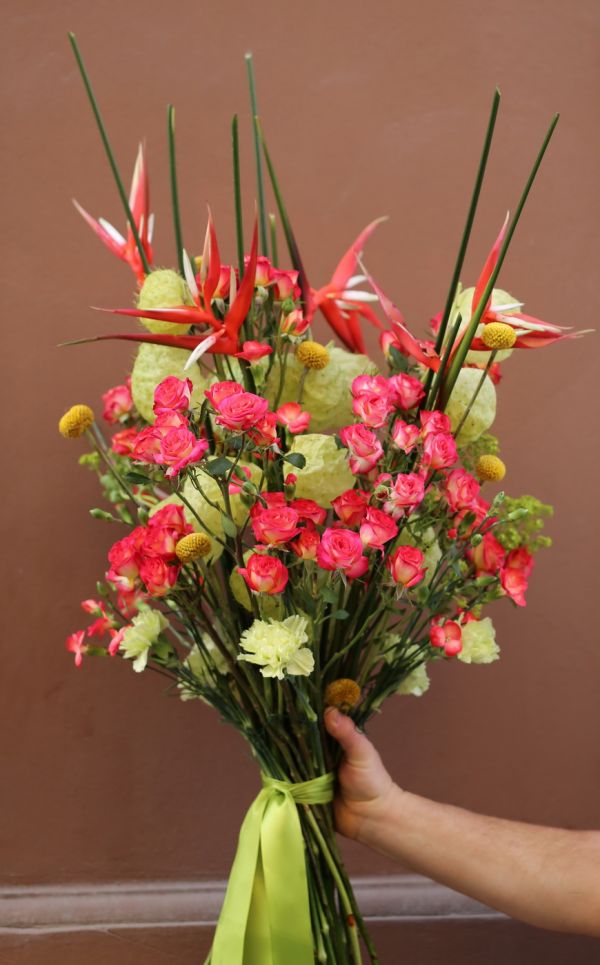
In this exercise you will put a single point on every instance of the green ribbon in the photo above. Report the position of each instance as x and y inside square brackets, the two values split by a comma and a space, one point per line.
[265, 918]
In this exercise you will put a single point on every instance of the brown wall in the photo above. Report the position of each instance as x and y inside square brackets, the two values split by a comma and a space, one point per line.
[370, 109]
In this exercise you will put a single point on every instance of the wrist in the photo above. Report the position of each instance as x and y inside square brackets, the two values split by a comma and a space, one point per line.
[387, 808]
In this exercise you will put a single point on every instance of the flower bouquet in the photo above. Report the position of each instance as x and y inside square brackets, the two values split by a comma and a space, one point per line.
[303, 526]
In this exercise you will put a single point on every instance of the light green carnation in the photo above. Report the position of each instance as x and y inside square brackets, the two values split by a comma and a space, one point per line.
[143, 633]
[152, 364]
[327, 471]
[326, 393]
[416, 683]
[479, 642]
[463, 304]
[196, 662]
[277, 647]
[483, 410]
[164, 288]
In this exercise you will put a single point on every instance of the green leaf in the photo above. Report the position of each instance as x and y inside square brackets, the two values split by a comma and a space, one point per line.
[296, 459]
[219, 467]
[340, 615]
[105, 517]
[329, 595]
[229, 527]
[137, 477]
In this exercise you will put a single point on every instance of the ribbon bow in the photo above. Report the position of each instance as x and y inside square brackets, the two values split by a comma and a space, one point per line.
[265, 918]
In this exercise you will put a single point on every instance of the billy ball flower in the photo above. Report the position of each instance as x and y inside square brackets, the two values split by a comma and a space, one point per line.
[75, 421]
[343, 694]
[193, 547]
[498, 335]
[277, 647]
[312, 355]
[490, 468]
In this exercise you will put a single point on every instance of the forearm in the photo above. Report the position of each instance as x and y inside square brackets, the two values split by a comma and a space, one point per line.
[544, 876]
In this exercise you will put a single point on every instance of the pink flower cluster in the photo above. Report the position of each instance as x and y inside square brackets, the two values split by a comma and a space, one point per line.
[169, 441]
[118, 403]
[145, 559]
[284, 283]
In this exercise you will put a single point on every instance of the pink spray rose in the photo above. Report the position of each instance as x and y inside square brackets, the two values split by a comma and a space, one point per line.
[405, 435]
[241, 411]
[157, 575]
[439, 450]
[277, 525]
[292, 417]
[305, 546]
[372, 409]
[370, 385]
[264, 433]
[488, 555]
[462, 489]
[407, 491]
[342, 549]
[294, 323]
[123, 442]
[308, 509]
[264, 574]
[406, 391]
[173, 394]
[351, 506]
[117, 403]
[377, 528]
[364, 447]
[179, 448]
[406, 566]
[222, 390]
[447, 635]
[434, 422]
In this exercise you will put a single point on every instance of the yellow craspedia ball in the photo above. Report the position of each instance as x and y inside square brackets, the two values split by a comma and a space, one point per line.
[498, 335]
[325, 392]
[499, 302]
[193, 547]
[312, 355]
[327, 471]
[153, 363]
[490, 468]
[343, 694]
[74, 422]
[164, 288]
[483, 410]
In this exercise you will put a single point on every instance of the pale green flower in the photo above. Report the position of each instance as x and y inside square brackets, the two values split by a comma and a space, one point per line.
[143, 633]
[196, 662]
[462, 304]
[416, 683]
[479, 642]
[327, 471]
[483, 411]
[277, 648]
[164, 288]
[152, 364]
[326, 392]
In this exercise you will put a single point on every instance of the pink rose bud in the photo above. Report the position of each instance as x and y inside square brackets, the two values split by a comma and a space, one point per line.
[305, 546]
[406, 566]
[439, 450]
[462, 489]
[364, 447]
[377, 528]
[264, 574]
[434, 422]
[405, 435]
[407, 491]
[117, 403]
[173, 394]
[351, 506]
[406, 391]
[294, 323]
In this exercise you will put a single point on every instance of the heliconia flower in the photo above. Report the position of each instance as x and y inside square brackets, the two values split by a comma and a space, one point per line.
[265, 433]
[340, 302]
[220, 335]
[76, 644]
[241, 411]
[405, 390]
[277, 525]
[406, 566]
[222, 390]
[264, 574]
[173, 394]
[123, 442]
[157, 576]
[461, 490]
[434, 422]
[447, 635]
[294, 323]
[291, 416]
[342, 549]
[308, 509]
[439, 450]
[405, 435]
[488, 556]
[377, 528]
[117, 403]
[351, 506]
[372, 410]
[305, 545]
[253, 351]
[364, 447]
[139, 203]
[370, 385]
[406, 492]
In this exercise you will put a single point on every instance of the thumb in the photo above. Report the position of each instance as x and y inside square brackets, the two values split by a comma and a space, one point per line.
[358, 749]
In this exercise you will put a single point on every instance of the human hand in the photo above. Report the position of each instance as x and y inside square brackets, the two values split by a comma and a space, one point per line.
[365, 789]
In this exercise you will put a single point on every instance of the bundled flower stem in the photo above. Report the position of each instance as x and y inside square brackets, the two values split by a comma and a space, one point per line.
[301, 530]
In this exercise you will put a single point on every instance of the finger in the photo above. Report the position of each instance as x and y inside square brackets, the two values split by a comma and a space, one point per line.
[358, 749]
